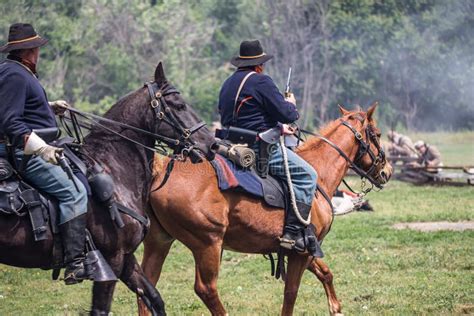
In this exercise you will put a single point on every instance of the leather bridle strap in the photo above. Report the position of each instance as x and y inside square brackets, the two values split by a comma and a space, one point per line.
[163, 112]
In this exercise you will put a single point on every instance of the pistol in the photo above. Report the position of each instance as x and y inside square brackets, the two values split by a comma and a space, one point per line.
[288, 84]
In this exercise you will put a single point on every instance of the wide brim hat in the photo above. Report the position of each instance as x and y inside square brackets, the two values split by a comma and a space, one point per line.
[251, 54]
[22, 36]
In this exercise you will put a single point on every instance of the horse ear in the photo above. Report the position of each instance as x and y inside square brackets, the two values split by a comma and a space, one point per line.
[160, 77]
[342, 110]
[371, 110]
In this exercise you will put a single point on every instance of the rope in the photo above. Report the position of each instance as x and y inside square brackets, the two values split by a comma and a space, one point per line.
[290, 184]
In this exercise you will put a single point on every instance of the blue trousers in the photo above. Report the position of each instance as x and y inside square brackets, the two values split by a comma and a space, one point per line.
[303, 175]
[54, 181]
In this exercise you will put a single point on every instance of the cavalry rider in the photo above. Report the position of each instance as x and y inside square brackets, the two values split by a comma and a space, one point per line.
[24, 107]
[260, 106]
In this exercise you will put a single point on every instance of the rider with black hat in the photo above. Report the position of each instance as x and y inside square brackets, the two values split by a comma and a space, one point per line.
[249, 99]
[24, 107]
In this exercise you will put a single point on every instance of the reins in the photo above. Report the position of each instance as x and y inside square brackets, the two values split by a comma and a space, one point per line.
[162, 112]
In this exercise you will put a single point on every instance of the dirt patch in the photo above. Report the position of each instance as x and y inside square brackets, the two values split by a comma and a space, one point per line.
[436, 226]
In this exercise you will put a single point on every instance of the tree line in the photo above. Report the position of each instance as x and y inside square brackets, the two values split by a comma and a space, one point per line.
[416, 57]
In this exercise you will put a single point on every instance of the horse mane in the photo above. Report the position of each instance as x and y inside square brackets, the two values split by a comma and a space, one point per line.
[314, 142]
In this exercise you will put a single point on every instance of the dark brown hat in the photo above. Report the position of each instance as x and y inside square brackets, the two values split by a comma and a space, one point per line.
[22, 36]
[251, 54]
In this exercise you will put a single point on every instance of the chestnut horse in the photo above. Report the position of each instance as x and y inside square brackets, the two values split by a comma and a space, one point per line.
[207, 220]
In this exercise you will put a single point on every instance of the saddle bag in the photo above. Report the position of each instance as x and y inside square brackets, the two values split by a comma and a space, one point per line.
[10, 200]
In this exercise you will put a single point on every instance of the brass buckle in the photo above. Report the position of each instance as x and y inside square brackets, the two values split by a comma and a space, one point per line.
[155, 103]
[186, 133]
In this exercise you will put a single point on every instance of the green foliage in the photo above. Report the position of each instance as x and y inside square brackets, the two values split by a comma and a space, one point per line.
[414, 56]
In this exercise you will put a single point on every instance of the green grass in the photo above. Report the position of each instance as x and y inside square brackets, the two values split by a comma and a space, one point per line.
[377, 270]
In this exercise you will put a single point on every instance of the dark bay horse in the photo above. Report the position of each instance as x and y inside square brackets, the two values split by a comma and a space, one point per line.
[207, 220]
[128, 162]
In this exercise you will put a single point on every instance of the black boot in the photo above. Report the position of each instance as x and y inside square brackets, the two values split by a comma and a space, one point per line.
[73, 233]
[297, 236]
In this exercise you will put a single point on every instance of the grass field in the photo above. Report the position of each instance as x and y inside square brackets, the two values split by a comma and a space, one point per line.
[377, 270]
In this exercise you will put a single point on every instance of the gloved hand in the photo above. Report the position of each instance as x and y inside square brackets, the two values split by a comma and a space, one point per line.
[288, 130]
[35, 145]
[290, 98]
[59, 106]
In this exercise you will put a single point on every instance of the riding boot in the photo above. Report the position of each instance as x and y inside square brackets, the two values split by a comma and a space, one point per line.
[297, 236]
[73, 233]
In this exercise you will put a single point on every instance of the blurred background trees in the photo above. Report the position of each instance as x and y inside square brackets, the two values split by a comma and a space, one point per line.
[416, 57]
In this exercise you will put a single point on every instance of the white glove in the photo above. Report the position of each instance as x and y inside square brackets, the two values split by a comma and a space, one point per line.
[35, 145]
[59, 106]
[291, 98]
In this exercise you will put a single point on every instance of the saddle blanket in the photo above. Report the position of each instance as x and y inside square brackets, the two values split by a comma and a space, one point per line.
[229, 176]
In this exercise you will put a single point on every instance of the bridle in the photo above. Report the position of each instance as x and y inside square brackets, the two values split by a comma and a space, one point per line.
[364, 149]
[164, 114]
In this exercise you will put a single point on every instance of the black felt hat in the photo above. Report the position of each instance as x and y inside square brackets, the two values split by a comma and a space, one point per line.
[22, 36]
[251, 54]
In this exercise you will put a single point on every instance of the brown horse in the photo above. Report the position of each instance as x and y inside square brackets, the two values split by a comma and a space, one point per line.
[207, 220]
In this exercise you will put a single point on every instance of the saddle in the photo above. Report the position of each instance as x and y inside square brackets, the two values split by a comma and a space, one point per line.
[252, 179]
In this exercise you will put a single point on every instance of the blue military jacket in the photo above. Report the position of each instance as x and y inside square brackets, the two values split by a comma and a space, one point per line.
[23, 103]
[260, 105]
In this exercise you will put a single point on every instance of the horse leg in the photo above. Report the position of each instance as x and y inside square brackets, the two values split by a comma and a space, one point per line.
[102, 294]
[296, 267]
[207, 270]
[322, 272]
[133, 276]
[156, 251]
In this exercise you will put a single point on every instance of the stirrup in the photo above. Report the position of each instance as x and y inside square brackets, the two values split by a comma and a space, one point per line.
[72, 278]
[292, 244]
[287, 243]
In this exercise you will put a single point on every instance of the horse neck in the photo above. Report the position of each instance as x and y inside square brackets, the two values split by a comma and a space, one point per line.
[126, 162]
[329, 164]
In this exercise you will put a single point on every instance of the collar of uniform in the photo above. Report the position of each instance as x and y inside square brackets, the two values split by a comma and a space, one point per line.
[24, 66]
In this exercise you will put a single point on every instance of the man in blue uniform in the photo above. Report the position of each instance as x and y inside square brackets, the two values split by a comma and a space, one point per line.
[249, 99]
[24, 107]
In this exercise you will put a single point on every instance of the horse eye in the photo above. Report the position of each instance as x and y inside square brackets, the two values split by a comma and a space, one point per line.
[180, 106]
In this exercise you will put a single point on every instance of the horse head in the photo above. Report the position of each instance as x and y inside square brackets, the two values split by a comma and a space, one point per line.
[370, 158]
[177, 121]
